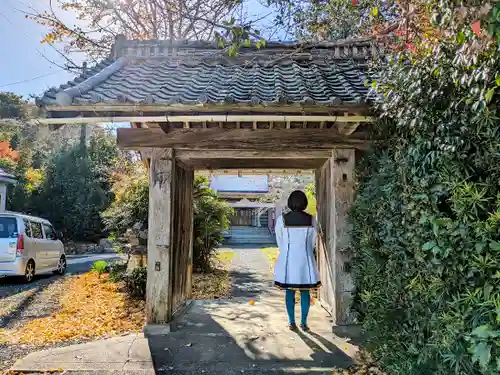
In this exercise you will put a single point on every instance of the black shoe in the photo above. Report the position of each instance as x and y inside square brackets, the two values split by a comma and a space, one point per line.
[292, 327]
[305, 327]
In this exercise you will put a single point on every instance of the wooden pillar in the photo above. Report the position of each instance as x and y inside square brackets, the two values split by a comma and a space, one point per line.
[335, 193]
[158, 294]
[182, 236]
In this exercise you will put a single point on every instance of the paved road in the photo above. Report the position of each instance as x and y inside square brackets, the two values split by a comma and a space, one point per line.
[21, 302]
[76, 264]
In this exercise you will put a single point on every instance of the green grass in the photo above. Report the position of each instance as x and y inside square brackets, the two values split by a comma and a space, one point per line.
[271, 253]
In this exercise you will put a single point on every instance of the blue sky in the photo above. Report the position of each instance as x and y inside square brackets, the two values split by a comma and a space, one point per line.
[22, 58]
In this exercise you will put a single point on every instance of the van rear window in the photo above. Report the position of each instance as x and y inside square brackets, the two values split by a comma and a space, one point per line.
[8, 227]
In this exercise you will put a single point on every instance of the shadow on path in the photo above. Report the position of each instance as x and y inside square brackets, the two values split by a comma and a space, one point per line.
[26, 301]
[248, 332]
[210, 340]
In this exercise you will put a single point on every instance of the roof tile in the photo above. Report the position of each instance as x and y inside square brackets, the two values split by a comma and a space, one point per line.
[319, 78]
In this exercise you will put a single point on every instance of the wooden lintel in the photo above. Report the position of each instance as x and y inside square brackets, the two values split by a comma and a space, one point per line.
[251, 154]
[138, 108]
[216, 138]
[260, 163]
[270, 172]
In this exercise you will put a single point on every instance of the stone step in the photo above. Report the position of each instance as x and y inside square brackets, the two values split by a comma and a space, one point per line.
[250, 229]
[251, 235]
[256, 241]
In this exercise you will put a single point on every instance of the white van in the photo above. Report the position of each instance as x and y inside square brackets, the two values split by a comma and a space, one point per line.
[29, 245]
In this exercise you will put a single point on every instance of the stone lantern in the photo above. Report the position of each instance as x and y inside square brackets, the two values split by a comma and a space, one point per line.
[5, 179]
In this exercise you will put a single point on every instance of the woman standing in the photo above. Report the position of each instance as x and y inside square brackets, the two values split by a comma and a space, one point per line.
[296, 267]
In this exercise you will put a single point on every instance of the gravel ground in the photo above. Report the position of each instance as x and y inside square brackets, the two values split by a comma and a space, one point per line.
[20, 303]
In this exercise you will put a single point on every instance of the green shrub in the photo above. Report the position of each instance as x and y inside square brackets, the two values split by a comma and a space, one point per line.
[100, 267]
[117, 271]
[211, 218]
[135, 283]
[426, 221]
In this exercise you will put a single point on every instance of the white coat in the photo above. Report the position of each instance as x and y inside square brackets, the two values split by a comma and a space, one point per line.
[296, 267]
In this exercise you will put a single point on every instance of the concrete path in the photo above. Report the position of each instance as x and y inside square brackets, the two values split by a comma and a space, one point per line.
[246, 334]
[129, 354]
[250, 272]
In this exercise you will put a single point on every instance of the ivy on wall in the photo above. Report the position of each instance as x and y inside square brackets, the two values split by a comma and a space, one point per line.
[426, 221]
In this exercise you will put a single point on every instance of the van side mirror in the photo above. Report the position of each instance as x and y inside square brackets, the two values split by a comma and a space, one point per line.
[59, 235]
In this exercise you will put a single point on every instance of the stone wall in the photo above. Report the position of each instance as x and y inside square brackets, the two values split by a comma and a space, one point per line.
[77, 248]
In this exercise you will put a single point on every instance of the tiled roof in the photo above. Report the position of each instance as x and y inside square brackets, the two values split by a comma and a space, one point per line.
[6, 177]
[153, 72]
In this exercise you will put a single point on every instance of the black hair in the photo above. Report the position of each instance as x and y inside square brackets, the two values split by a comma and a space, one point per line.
[297, 201]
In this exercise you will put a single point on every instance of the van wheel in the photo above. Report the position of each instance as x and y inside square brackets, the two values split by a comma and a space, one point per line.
[29, 273]
[61, 266]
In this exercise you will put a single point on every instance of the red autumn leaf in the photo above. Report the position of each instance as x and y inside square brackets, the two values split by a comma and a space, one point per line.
[476, 27]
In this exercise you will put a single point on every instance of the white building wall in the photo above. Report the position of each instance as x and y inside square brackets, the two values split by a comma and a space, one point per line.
[235, 183]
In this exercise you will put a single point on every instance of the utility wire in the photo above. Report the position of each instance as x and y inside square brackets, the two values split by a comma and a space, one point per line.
[30, 79]
[29, 37]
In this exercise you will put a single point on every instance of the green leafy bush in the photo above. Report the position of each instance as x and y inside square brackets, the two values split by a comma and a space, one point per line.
[211, 218]
[73, 187]
[426, 221]
[77, 188]
[135, 283]
[100, 267]
[117, 271]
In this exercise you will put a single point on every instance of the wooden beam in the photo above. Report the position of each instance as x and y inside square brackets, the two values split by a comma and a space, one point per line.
[231, 108]
[158, 290]
[347, 128]
[271, 172]
[234, 163]
[251, 154]
[215, 138]
[200, 118]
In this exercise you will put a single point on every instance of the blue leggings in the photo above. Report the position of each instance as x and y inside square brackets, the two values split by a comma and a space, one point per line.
[305, 303]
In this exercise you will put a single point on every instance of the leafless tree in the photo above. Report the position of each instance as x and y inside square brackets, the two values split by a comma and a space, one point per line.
[136, 19]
